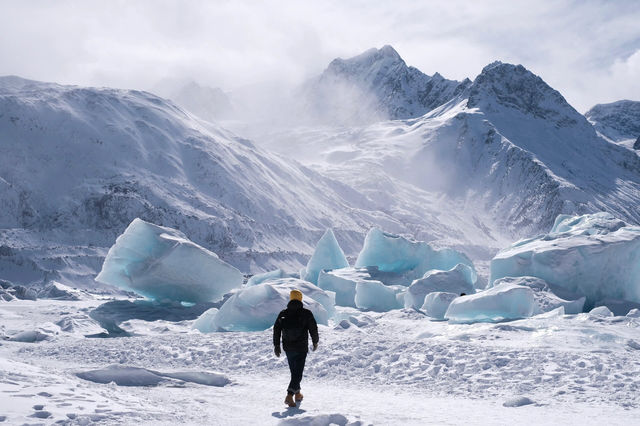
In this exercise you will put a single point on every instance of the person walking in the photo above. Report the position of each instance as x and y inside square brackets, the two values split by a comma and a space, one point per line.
[295, 324]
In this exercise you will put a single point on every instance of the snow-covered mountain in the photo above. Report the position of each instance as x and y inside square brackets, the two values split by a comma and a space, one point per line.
[208, 103]
[374, 85]
[508, 152]
[78, 164]
[618, 121]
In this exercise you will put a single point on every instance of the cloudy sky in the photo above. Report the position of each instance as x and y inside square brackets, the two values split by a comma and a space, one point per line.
[589, 50]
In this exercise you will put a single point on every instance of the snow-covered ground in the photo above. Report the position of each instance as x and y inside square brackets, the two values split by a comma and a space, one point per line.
[375, 368]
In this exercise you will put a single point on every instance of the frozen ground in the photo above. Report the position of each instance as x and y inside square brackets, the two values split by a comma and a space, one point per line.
[392, 368]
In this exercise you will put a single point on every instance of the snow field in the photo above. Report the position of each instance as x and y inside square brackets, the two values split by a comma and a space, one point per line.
[563, 363]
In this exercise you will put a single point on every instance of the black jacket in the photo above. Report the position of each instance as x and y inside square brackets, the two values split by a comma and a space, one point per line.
[295, 324]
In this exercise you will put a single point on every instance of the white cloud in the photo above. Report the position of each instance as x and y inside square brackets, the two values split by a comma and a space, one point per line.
[584, 49]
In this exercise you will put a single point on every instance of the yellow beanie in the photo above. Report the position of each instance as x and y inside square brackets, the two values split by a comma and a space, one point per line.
[296, 295]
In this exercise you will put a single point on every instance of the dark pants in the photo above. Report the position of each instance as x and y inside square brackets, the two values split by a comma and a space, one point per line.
[296, 365]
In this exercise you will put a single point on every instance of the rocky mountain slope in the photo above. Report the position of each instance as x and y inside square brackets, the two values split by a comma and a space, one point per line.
[618, 121]
[78, 164]
[375, 85]
[508, 151]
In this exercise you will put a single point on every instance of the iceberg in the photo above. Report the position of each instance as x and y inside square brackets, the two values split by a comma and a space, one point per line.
[162, 264]
[395, 254]
[436, 303]
[327, 255]
[260, 278]
[595, 255]
[375, 296]
[502, 302]
[255, 308]
[458, 279]
[545, 296]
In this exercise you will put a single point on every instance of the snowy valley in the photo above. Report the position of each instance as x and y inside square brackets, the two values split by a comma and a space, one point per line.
[470, 250]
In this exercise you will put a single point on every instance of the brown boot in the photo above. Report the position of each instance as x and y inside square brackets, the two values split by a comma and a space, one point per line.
[299, 396]
[289, 400]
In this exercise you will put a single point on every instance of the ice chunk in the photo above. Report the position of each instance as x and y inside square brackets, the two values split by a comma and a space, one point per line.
[634, 313]
[58, 291]
[23, 293]
[436, 303]
[392, 253]
[543, 293]
[458, 279]
[255, 308]
[375, 296]
[327, 255]
[162, 264]
[595, 255]
[326, 298]
[518, 401]
[343, 282]
[502, 302]
[123, 375]
[260, 278]
[5, 295]
[205, 322]
[617, 306]
[601, 311]
[80, 324]
[44, 332]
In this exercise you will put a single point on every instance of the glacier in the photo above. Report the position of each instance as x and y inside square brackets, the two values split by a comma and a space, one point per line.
[455, 280]
[255, 308]
[327, 255]
[502, 302]
[395, 254]
[162, 264]
[595, 255]
[436, 303]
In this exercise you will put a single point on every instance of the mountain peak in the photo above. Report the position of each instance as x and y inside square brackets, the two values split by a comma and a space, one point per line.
[501, 85]
[375, 85]
[618, 120]
[386, 54]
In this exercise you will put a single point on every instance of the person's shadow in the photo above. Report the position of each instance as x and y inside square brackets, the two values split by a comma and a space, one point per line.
[290, 412]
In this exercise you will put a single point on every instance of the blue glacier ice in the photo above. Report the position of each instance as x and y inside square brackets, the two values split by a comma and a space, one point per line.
[502, 302]
[343, 282]
[395, 254]
[255, 308]
[271, 275]
[546, 296]
[162, 264]
[436, 303]
[375, 296]
[458, 279]
[595, 255]
[327, 255]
